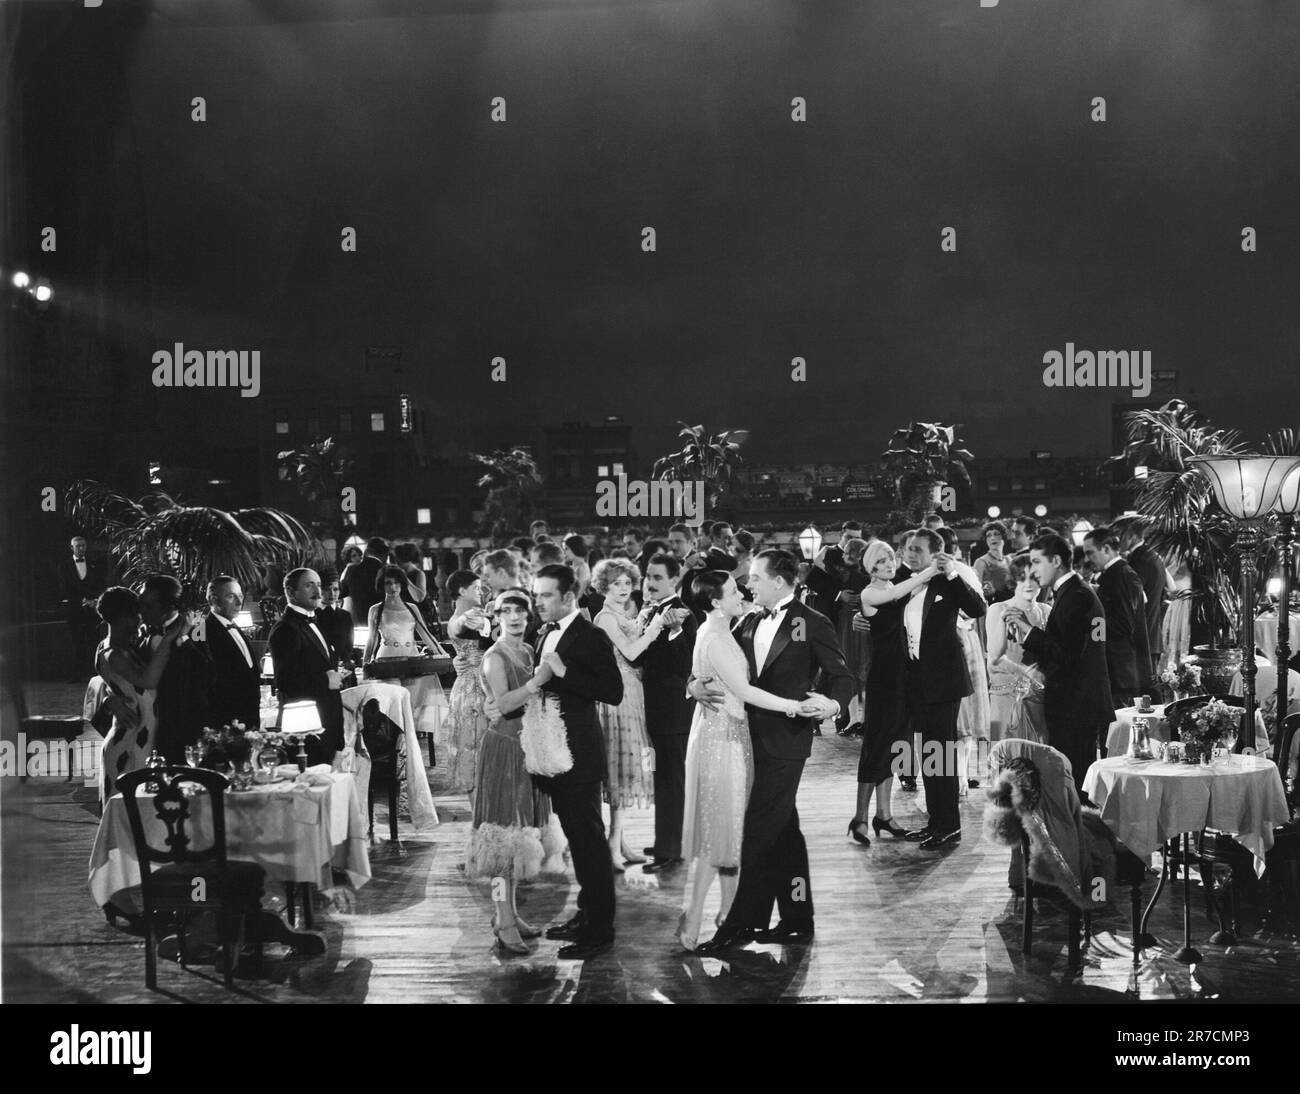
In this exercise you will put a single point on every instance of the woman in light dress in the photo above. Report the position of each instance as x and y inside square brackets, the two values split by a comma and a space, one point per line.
[973, 714]
[1016, 689]
[629, 757]
[468, 629]
[133, 675]
[512, 838]
[397, 630]
[1176, 628]
[719, 753]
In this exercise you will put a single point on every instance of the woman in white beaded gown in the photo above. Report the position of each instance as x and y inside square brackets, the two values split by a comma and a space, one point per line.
[396, 630]
[719, 754]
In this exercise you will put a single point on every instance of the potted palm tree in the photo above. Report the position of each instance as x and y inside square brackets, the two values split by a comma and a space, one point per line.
[712, 459]
[924, 458]
[157, 534]
[513, 483]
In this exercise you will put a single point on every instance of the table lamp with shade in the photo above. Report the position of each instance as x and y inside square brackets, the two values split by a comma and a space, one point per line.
[1246, 487]
[1286, 506]
[300, 720]
[1080, 531]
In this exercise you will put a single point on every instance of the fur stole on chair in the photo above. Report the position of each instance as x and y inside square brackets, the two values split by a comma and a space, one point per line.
[1013, 811]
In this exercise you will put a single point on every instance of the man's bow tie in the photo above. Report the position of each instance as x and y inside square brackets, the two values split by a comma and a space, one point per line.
[766, 613]
[547, 628]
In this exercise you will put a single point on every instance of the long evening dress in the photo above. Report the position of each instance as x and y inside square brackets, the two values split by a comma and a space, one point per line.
[1016, 699]
[514, 833]
[719, 764]
[883, 725]
[125, 749]
[466, 722]
[628, 755]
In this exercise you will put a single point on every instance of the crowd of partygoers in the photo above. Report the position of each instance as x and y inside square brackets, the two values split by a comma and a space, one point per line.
[687, 672]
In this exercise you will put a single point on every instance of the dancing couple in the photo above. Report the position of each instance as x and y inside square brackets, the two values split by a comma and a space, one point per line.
[752, 733]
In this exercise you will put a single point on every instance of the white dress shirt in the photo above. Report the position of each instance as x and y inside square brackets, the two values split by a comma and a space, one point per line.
[913, 618]
[553, 638]
[766, 630]
[1056, 585]
[81, 567]
[237, 635]
[311, 626]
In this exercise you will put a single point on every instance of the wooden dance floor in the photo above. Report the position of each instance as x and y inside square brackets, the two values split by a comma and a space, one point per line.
[894, 924]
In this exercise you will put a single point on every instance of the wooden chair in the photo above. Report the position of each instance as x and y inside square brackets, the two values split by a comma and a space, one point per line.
[1216, 848]
[232, 890]
[382, 741]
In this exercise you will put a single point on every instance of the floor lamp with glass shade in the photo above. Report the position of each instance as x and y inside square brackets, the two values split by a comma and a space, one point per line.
[1286, 507]
[1246, 488]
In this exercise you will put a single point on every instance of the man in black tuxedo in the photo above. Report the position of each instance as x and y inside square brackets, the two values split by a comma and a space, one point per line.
[1150, 568]
[305, 663]
[1128, 655]
[182, 701]
[575, 661]
[237, 677]
[360, 583]
[81, 580]
[665, 668]
[1071, 651]
[935, 678]
[788, 646]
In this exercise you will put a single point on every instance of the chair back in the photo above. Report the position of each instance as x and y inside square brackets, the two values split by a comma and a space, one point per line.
[171, 805]
[379, 733]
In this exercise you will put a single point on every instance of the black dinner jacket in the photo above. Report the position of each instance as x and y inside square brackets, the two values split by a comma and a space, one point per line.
[665, 668]
[73, 588]
[301, 672]
[944, 675]
[336, 625]
[1073, 659]
[1128, 650]
[182, 702]
[792, 669]
[360, 582]
[1150, 569]
[591, 675]
[236, 688]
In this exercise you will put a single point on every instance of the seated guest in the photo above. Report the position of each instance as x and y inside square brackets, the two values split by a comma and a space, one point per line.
[305, 663]
[539, 531]
[237, 677]
[335, 622]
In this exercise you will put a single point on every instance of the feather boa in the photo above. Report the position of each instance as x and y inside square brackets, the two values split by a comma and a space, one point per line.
[1013, 811]
[543, 737]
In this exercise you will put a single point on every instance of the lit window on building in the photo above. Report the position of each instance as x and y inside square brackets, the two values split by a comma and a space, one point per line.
[376, 421]
[423, 516]
[602, 471]
[281, 422]
[618, 469]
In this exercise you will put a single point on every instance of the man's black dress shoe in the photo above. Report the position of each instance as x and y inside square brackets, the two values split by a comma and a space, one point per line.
[568, 930]
[583, 947]
[661, 864]
[918, 834]
[649, 852]
[725, 939]
[935, 840]
[786, 933]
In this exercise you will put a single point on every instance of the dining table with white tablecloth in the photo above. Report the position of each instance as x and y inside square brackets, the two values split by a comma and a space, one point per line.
[1147, 802]
[1266, 633]
[297, 830]
[1121, 729]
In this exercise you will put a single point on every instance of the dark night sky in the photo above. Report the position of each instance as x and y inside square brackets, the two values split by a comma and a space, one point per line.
[775, 239]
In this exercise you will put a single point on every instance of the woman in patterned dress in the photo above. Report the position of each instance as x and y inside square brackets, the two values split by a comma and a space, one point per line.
[468, 630]
[628, 754]
[133, 676]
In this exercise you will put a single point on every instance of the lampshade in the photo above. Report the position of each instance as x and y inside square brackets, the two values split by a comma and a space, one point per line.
[298, 718]
[244, 620]
[1245, 486]
[1080, 531]
[1274, 587]
[1288, 495]
[268, 666]
[361, 636]
[994, 512]
[810, 541]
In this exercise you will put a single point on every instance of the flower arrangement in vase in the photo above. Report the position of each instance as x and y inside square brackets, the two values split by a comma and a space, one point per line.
[1183, 679]
[235, 745]
[1212, 725]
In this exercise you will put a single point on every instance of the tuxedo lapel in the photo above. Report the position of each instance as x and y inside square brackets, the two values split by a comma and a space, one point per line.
[568, 636]
[781, 639]
[309, 636]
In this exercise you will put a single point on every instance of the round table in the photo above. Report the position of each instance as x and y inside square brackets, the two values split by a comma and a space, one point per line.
[1266, 634]
[1149, 804]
